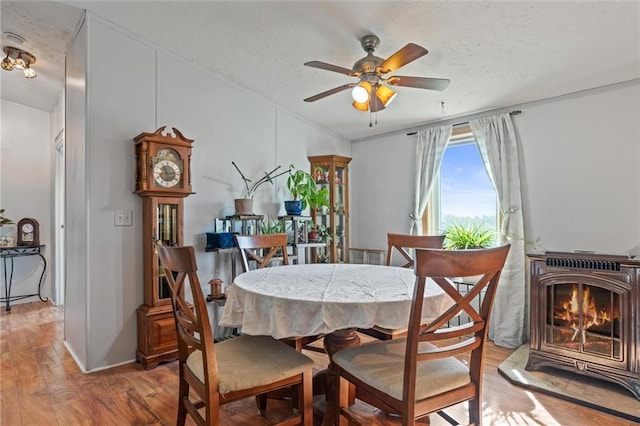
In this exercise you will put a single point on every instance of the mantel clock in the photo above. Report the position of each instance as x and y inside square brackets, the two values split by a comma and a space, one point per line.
[163, 179]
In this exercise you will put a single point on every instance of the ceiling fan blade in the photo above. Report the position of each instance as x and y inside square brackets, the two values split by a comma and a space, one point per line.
[330, 67]
[329, 92]
[402, 57]
[419, 82]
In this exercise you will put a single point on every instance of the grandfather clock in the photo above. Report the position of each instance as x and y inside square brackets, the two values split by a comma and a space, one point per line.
[163, 179]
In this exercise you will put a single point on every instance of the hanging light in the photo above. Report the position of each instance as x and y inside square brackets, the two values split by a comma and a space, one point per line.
[385, 94]
[19, 63]
[29, 72]
[360, 93]
[7, 63]
[18, 59]
[361, 102]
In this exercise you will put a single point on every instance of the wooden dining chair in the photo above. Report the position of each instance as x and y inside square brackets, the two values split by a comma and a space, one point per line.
[422, 373]
[232, 369]
[266, 249]
[402, 243]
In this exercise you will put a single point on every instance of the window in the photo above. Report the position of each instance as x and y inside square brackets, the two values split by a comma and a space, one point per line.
[462, 192]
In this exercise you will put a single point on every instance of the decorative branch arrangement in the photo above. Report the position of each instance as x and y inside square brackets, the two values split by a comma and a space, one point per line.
[251, 187]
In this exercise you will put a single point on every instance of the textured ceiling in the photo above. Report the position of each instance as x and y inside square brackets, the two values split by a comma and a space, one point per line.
[496, 54]
[47, 28]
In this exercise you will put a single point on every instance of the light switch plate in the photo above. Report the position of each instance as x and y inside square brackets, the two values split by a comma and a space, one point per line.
[123, 217]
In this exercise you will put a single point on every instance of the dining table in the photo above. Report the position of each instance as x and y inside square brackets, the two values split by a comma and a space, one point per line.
[331, 299]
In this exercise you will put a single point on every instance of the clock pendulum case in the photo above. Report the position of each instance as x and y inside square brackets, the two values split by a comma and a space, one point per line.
[163, 180]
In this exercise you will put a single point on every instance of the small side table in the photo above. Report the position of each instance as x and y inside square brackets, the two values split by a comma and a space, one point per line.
[9, 253]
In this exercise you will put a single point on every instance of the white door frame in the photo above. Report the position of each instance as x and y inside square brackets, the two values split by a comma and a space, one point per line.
[59, 284]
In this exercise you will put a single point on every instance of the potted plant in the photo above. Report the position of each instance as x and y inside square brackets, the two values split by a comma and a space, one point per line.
[272, 226]
[460, 237]
[318, 233]
[305, 192]
[244, 206]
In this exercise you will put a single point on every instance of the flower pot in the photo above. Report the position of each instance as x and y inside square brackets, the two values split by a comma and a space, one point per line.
[293, 207]
[244, 206]
[313, 236]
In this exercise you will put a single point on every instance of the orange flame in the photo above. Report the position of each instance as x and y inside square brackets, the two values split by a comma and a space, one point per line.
[572, 308]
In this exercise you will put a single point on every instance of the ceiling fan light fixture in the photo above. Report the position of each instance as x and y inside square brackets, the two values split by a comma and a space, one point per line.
[360, 93]
[385, 94]
[361, 106]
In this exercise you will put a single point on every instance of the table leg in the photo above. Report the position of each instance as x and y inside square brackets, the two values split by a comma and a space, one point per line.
[333, 342]
[7, 284]
[44, 269]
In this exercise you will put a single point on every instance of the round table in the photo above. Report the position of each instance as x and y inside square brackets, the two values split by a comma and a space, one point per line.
[312, 299]
[330, 299]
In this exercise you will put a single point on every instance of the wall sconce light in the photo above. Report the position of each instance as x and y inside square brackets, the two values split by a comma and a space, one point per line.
[18, 59]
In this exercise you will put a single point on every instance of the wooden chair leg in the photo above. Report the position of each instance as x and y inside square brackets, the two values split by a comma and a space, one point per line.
[305, 398]
[475, 412]
[182, 410]
[261, 403]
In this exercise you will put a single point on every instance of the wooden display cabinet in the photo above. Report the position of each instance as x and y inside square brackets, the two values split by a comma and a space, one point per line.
[332, 172]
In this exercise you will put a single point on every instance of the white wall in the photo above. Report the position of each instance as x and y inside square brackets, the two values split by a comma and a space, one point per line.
[76, 218]
[581, 157]
[157, 89]
[579, 172]
[26, 189]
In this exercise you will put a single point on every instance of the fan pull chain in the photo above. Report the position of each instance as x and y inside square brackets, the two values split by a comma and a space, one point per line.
[370, 113]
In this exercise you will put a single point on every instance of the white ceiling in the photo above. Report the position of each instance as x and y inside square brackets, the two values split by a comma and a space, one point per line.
[496, 54]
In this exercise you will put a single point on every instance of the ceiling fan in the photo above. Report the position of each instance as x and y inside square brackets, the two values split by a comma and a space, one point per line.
[371, 92]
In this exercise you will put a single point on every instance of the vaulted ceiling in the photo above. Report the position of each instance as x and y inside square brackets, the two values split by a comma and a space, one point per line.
[496, 54]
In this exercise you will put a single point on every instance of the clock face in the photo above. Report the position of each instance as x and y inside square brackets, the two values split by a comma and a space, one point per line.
[167, 173]
[27, 228]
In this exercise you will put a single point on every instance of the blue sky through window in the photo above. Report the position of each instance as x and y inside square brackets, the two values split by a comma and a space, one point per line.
[466, 193]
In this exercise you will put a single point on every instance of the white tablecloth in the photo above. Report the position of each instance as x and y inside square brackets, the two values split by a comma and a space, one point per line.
[306, 300]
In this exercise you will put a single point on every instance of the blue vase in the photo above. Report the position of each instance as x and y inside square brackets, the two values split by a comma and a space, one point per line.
[293, 207]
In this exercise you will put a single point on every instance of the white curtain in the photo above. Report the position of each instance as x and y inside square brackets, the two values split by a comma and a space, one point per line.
[429, 152]
[496, 138]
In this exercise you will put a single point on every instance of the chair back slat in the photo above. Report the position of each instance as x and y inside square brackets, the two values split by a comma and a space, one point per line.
[192, 318]
[263, 249]
[402, 242]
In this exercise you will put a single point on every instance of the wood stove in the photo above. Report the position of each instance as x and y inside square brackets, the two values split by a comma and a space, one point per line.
[585, 315]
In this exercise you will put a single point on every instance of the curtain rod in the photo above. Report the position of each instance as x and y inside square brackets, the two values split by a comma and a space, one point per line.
[512, 113]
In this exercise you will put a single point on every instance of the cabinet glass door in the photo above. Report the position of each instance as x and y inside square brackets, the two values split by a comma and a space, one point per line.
[331, 172]
[322, 174]
[340, 213]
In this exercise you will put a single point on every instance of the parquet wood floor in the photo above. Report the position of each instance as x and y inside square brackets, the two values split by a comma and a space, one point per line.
[40, 384]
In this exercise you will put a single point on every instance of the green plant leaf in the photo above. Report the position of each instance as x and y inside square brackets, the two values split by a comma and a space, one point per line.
[461, 237]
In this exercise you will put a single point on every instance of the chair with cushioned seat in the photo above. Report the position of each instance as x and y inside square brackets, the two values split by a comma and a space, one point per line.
[422, 373]
[401, 243]
[232, 369]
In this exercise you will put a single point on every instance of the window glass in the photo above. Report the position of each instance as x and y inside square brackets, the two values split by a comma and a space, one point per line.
[463, 193]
